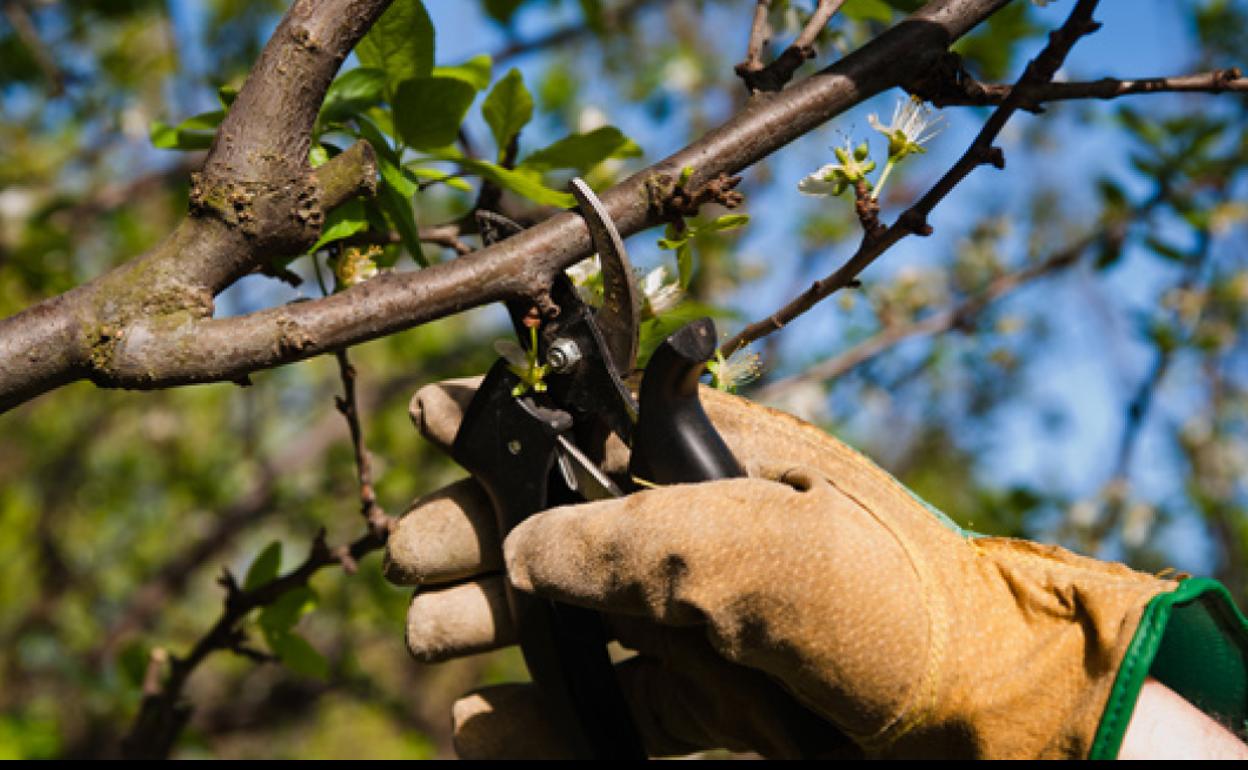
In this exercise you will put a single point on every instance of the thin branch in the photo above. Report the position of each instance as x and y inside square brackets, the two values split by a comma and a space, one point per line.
[162, 713]
[774, 76]
[959, 316]
[914, 220]
[824, 12]
[758, 39]
[376, 519]
[954, 87]
[19, 17]
[614, 18]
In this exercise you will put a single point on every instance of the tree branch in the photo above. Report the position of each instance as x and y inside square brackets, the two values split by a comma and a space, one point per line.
[951, 85]
[914, 220]
[758, 39]
[959, 316]
[182, 348]
[774, 76]
[162, 714]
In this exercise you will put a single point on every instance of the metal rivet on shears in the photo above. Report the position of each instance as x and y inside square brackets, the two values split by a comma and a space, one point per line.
[514, 447]
[563, 355]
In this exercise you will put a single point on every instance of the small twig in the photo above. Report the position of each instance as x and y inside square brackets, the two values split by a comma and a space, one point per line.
[1116, 488]
[615, 17]
[376, 518]
[19, 17]
[914, 220]
[446, 235]
[953, 86]
[758, 39]
[959, 316]
[774, 76]
[824, 12]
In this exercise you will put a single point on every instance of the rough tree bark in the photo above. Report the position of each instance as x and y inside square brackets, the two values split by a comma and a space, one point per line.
[148, 323]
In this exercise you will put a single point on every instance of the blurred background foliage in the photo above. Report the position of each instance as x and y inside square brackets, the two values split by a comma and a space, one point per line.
[1096, 401]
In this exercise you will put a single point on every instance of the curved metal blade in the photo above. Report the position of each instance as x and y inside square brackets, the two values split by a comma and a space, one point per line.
[621, 308]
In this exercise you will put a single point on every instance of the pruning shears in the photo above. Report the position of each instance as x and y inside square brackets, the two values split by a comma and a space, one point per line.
[538, 442]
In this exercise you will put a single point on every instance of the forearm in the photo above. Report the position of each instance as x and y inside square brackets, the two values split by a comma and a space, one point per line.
[1165, 726]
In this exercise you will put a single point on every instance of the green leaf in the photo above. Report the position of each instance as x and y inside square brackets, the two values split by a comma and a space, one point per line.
[299, 656]
[282, 615]
[726, 222]
[226, 94]
[437, 175]
[352, 92]
[684, 264]
[400, 43]
[583, 151]
[507, 109]
[394, 195]
[367, 129]
[428, 111]
[265, 567]
[525, 184]
[868, 10]
[671, 244]
[343, 222]
[194, 133]
[477, 71]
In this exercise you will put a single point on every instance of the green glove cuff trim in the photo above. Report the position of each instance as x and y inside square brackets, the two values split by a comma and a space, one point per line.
[1194, 640]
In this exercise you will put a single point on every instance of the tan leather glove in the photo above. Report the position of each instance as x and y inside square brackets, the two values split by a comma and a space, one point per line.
[820, 580]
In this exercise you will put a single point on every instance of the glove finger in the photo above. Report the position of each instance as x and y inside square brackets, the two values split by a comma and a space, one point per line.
[446, 536]
[459, 620]
[644, 554]
[437, 409]
[675, 713]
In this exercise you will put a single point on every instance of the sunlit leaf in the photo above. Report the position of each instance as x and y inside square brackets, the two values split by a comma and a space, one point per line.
[428, 111]
[400, 43]
[477, 71]
[507, 109]
[583, 151]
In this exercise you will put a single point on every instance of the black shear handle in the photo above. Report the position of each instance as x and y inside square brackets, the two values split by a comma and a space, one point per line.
[674, 441]
[509, 445]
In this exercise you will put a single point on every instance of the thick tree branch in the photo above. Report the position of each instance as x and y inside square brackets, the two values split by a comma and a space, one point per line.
[914, 220]
[256, 197]
[157, 352]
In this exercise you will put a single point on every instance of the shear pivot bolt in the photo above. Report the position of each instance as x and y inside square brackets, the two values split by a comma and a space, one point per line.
[514, 447]
[563, 355]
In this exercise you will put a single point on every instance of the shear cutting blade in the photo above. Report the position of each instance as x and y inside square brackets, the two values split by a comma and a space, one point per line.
[620, 314]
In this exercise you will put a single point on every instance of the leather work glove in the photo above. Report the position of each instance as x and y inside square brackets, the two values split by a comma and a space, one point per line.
[819, 581]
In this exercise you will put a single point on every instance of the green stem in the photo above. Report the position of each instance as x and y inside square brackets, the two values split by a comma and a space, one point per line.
[879, 185]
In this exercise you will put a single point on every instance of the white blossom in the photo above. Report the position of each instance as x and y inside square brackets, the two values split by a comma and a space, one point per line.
[912, 126]
[659, 295]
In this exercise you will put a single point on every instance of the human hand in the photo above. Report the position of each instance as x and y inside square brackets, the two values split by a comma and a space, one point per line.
[819, 581]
